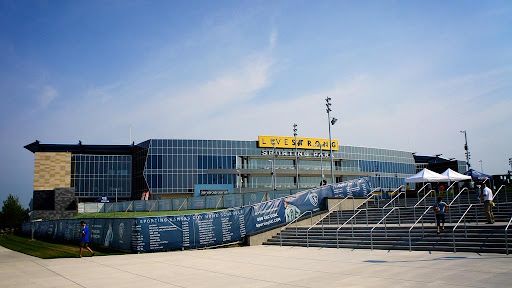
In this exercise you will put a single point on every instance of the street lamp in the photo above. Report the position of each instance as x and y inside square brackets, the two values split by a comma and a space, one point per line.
[273, 170]
[321, 161]
[296, 154]
[331, 122]
[466, 148]
[510, 163]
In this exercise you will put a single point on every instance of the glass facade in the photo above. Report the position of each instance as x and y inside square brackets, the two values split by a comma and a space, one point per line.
[95, 176]
[175, 166]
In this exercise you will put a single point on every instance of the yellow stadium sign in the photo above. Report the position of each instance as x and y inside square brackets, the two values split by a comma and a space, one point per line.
[289, 142]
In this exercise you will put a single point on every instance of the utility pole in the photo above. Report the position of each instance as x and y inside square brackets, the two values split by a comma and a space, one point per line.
[296, 155]
[331, 122]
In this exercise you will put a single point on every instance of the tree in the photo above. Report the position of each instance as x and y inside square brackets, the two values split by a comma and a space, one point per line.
[12, 214]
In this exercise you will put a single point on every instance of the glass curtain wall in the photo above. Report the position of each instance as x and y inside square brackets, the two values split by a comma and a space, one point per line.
[95, 176]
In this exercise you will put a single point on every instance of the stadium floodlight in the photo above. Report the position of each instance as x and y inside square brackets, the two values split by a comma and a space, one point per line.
[331, 122]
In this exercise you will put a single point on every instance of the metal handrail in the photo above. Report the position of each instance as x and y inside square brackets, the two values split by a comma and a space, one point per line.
[419, 191]
[422, 228]
[393, 199]
[385, 226]
[496, 194]
[294, 221]
[458, 206]
[337, 230]
[366, 202]
[461, 218]
[506, 235]
[447, 190]
[330, 211]
[322, 218]
[424, 202]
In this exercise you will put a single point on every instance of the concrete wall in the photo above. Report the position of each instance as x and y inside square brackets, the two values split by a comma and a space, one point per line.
[52, 170]
[348, 204]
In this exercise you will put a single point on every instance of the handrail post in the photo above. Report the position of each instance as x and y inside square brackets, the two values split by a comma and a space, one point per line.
[506, 240]
[371, 239]
[399, 222]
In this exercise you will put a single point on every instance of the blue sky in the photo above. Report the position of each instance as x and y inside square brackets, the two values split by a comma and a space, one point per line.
[404, 75]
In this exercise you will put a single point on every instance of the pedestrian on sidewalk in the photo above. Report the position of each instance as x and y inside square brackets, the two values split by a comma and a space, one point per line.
[85, 235]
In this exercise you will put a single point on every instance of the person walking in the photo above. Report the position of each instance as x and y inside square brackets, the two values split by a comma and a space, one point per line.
[487, 197]
[440, 209]
[85, 235]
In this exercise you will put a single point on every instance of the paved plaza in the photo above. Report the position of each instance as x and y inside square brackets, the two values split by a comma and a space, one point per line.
[261, 266]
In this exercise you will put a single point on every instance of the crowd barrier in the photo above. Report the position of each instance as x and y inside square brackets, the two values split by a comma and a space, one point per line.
[164, 233]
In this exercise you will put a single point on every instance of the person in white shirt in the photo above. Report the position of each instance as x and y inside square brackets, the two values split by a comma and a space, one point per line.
[487, 197]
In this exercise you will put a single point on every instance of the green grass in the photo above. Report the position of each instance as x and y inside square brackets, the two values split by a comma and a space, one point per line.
[46, 250]
[141, 214]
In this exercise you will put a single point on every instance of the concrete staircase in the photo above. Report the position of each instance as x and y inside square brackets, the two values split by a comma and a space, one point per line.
[394, 232]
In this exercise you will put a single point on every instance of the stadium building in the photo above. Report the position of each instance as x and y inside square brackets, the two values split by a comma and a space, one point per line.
[169, 168]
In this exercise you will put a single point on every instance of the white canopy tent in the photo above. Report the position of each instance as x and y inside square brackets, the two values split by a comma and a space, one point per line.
[426, 175]
[455, 176]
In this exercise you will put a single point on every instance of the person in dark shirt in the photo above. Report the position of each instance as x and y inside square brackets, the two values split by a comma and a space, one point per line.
[85, 235]
[440, 209]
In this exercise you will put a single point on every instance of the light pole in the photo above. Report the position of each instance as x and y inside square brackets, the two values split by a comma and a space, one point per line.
[296, 154]
[481, 165]
[466, 148]
[273, 141]
[510, 163]
[321, 161]
[331, 122]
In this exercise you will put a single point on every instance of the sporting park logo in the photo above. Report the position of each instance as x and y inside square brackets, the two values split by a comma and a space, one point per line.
[313, 198]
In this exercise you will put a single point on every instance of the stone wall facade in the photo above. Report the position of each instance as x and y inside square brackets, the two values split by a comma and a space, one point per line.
[52, 170]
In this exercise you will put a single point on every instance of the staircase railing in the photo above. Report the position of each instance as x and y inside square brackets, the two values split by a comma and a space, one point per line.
[453, 200]
[496, 194]
[366, 202]
[394, 198]
[448, 190]
[385, 226]
[422, 228]
[328, 213]
[423, 188]
[506, 235]
[424, 202]
[294, 221]
[463, 217]
[338, 230]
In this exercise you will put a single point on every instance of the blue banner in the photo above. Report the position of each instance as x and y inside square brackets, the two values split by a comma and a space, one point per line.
[355, 188]
[151, 234]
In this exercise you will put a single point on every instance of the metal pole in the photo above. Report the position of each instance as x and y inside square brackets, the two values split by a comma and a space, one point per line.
[296, 155]
[328, 105]
[468, 155]
[321, 162]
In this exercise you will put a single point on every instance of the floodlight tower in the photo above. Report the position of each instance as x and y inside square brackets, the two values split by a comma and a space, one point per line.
[466, 148]
[331, 122]
[296, 155]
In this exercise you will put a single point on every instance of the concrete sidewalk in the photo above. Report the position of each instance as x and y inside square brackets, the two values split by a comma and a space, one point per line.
[261, 266]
